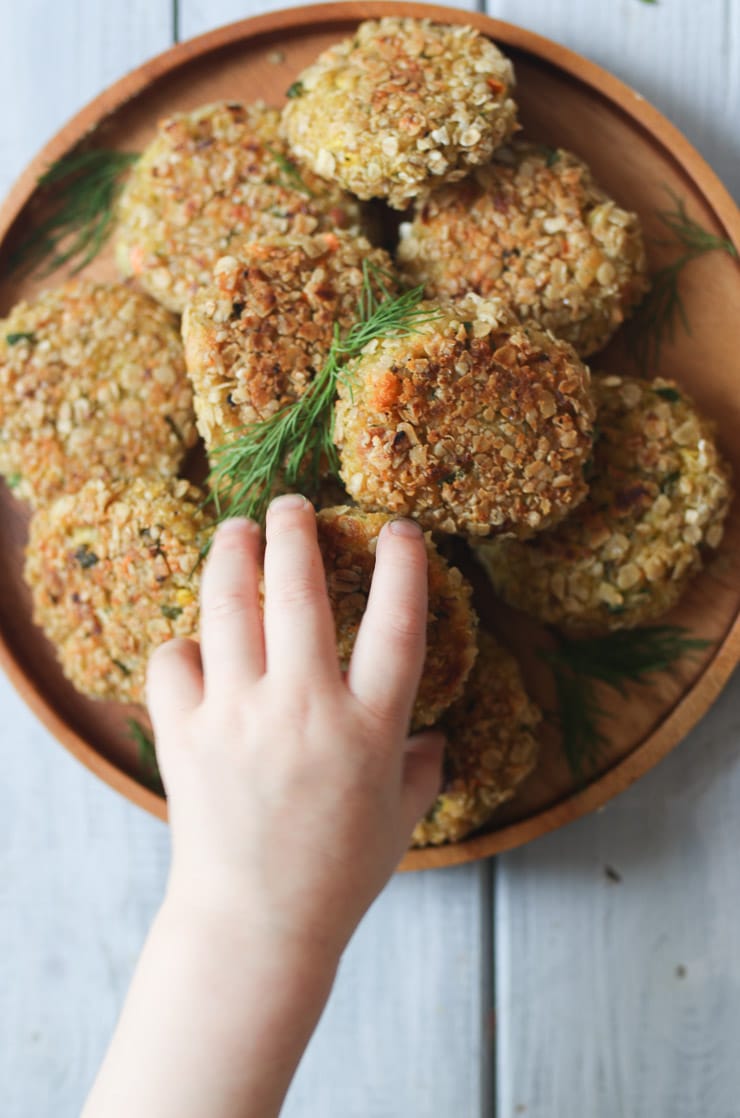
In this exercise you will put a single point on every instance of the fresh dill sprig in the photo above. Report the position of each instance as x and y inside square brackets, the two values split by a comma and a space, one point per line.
[688, 232]
[663, 310]
[147, 756]
[290, 173]
[296, 443]
[578, 717]
[579, 665]
[83, 189]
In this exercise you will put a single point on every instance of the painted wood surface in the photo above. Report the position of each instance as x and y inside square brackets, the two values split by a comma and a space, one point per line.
[615, 997]
[82, 871]
[617, 966]
[617, 981]
[198, 16]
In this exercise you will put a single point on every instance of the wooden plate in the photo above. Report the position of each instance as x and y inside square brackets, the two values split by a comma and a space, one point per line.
[635, 153]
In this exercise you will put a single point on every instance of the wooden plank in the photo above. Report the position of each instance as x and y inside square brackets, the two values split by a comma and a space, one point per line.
[405, 1031]
[616, 968]
[81, 871]
[55, 57]
[680, 55]
[197, 16]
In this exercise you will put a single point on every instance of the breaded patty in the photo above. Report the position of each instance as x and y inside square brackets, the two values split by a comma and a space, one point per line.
[533, 228]
[347, 538]
[473, 424]
[491, 747]
[210, 179]
[401, 105]
[114, 572]
[260, 331]
[659, 494]
[92, 384]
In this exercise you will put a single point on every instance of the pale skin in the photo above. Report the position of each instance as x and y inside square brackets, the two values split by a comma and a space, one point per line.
[293, 789]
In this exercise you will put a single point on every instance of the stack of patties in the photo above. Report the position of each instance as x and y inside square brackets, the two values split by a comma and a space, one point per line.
[96, 416]
[589, 501]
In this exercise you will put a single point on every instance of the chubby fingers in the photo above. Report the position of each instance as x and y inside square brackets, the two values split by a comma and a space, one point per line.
[422, 774]
[299, 628]
[232, 645]
[174, 683]
[389, 652]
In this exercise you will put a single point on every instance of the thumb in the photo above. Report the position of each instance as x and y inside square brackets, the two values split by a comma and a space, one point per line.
[422, 775]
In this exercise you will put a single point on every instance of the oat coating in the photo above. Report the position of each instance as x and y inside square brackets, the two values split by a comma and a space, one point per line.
[491, 747]
[210, 179]
[472, 425]
[92, 384]
[403, 105]
[114, 572]
[660, 493]
[534, 229]
[258, 333]
[347, 539]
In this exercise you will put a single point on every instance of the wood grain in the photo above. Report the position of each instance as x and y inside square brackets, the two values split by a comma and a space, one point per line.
[621, 997]
[593, 1019]
[636, 154]
[82, 870]
[407, 1028]
[617, 971]
[681, 56]
[55, 57]
[81, 874]
[197, 16]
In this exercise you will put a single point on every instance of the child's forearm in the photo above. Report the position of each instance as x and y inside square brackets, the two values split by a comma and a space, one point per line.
[215, 1021]
[292, 791]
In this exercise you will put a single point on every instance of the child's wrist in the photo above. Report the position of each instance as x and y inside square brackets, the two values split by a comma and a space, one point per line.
[235, 934]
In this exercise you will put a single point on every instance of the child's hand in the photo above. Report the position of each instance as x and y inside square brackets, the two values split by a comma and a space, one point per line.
[292, 789]
[292, 794]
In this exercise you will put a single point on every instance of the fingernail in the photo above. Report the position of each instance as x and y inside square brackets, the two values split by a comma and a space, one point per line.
[408, 528]
[288, 501]
[237, 524]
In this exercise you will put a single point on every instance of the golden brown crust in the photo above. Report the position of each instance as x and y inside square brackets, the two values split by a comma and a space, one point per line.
[258, 333]
[660, 492]
[491, 747]
[210, 180]
[114, 571]
[402, 104]
[473, 424]
[92, 384]
[347, 538]
[535, 230]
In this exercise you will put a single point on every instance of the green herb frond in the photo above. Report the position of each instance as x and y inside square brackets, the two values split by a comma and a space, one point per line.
[147, 755]
[295, 445]
[580, 665]
[83, 189]
[578, 717]
[662, 311]
[694, 238]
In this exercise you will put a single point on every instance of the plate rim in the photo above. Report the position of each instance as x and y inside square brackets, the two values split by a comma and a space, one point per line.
[695, 702]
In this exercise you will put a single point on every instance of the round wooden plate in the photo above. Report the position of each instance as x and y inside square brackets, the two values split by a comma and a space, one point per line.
[636, 154]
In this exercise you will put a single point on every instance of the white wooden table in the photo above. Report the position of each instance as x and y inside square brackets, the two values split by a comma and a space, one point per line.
[609, 950]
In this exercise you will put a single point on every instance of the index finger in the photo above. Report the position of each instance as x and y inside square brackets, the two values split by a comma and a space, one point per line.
[299, 629]
[230, 624]
[388, 656]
